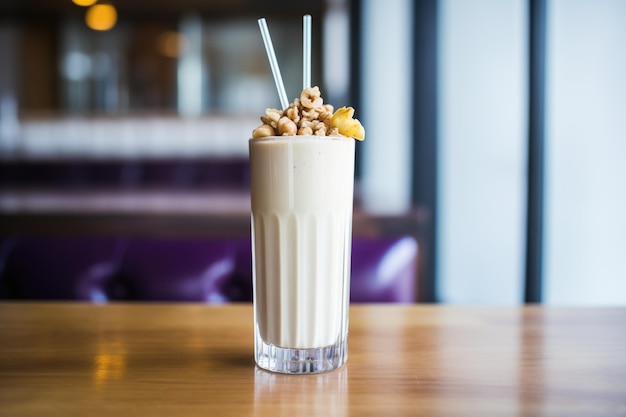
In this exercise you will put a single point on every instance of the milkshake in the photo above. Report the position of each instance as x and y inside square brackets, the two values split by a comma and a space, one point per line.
[302, 196]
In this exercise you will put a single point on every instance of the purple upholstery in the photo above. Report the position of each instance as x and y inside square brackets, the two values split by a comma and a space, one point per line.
[62, 268]
[241, 284]
[180, 269]
[385, 270]
[198, 269]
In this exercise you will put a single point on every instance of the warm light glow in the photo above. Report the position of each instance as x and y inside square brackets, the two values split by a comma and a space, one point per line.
[101, 17]
[108, 367]
[84, 3]
[110, 362]
[171, 44]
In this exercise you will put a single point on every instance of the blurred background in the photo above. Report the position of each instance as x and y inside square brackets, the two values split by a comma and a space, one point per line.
[133, 116]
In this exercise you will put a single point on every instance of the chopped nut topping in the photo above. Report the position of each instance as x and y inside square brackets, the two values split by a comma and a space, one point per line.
[311, 97]
[263, 131]
[286, 127]
[293, 113]
[308, 115]
[271, 117]
[305, 131]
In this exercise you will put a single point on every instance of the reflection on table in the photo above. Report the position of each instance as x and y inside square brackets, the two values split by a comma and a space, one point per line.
[404, 360]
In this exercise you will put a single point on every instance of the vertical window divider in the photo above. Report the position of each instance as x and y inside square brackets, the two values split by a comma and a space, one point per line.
[425, 153]
[536, 151]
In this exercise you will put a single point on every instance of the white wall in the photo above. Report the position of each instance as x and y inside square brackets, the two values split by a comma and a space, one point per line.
[482, 151]
[585, 251]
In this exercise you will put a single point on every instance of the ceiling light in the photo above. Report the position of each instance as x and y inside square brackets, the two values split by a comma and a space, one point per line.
[101, 17]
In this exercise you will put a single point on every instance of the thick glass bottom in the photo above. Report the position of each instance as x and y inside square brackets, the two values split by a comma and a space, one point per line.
[300, 361]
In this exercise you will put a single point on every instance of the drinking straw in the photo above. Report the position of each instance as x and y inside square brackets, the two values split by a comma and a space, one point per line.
[271, 55]
[306, 51]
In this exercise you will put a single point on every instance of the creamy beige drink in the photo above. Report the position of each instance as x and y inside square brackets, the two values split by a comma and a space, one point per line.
[302, 189]
[302, 179]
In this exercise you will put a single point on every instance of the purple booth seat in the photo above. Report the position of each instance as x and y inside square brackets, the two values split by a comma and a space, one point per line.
[182, 270]
[61, 268]
[384, 270]
[200, 269]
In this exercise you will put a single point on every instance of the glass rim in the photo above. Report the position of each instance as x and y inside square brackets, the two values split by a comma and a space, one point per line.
[300, 137]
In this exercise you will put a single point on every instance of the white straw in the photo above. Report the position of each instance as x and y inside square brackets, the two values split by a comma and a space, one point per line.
[306, 51]
[271, 55]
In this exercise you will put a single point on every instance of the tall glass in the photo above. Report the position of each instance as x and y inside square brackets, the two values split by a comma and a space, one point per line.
[302, 194]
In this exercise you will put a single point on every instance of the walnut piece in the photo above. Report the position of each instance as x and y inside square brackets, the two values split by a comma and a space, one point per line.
[286, 127]
[311, 97]
[272, 116]
[293, 113]
[305, 131]
[324, 115]
[263, 131]
[309, 114]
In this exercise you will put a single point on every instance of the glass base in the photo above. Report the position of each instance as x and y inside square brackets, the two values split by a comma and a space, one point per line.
[300, 361]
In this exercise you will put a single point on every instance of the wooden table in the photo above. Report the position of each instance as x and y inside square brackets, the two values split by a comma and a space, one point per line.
[62, 359]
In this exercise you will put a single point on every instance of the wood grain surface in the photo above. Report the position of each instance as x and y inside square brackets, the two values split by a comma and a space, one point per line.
[73, 359]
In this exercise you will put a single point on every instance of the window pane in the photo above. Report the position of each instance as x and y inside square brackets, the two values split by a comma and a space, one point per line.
[482, 151]
[585, 258]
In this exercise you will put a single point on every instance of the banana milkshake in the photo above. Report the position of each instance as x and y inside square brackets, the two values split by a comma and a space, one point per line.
[302, 178]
